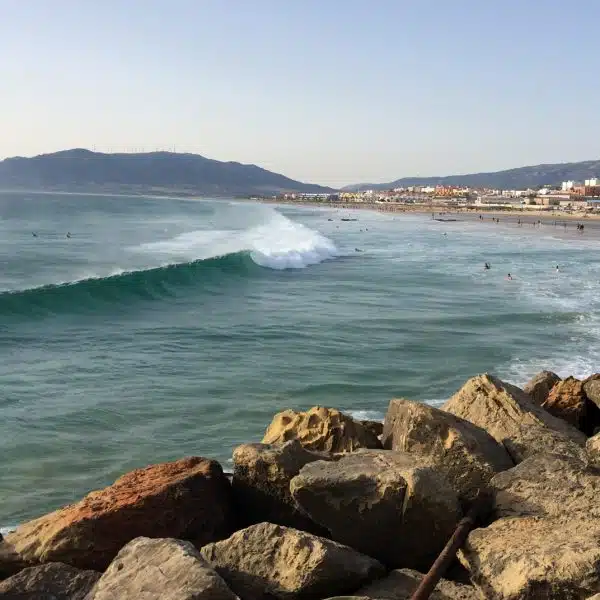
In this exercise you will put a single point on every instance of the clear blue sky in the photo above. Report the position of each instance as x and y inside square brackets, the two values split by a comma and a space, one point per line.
[327, 91]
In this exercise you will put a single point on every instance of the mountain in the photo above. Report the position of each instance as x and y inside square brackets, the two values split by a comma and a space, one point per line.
[520, 178]
[81, 170]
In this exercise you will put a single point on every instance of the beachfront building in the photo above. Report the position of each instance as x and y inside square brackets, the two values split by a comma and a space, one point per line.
[567, 186]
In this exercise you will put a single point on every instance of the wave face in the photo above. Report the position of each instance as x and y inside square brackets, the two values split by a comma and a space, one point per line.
[195, 258]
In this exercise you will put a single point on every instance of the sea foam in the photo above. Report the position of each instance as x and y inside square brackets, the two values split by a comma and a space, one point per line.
[276, 243]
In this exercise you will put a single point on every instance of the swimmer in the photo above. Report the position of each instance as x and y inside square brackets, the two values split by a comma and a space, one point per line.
[34, 234]
[69, 234]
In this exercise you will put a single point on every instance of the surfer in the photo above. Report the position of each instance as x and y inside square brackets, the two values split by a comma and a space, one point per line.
[557, 269]
[509, 277]
[357, 249]
[69, 234]
[487, 266]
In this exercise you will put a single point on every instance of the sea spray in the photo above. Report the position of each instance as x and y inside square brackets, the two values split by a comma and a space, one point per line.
[277, 243]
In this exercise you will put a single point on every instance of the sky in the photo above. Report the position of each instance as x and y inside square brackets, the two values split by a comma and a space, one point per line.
[325, 91]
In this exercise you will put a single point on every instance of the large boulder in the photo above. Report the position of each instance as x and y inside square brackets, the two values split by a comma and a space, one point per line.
[532, 439]
[400, 585]
[529, 558]
[548, 485]
[539, 386]
[267, 561]
[320, 428]
[261, 484]
[505, 412]
[592, 447]
[53, 581]
[465, 454]
[11, 561]
[568, 401]
[383, 503]
[188, 499]
[157, 569]
[591, 387]
[375, 427]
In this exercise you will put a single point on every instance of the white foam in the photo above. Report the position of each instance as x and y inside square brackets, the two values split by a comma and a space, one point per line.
[9, 529]
[276, 243]
[366, 415]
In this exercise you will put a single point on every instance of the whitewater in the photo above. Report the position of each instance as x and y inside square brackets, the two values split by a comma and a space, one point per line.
[168, 327]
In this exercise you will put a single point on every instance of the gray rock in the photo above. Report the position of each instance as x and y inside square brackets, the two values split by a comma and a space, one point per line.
[506, 412]
[52, 581]
[160, 569]
[530, 558]
[591, 387]
[532, 439]
[401, 584]
[261, 484]
[592, 447]
[465, 454]
[548, 485]
[267, 561]
[539, 386]
[383, 503]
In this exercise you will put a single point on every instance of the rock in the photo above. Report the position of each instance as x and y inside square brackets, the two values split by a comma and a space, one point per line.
[505, 412]
[10, 561]
[319, 428]
[591, 387]
[548, 485]
[188, 499]
[375, 427]
[592, 447]
[400, 585]
[465, 454]
[539, 386]
[156, 569]
[385, 504]
[568, 401]
[261, 484]
[53, 581]
[267, 561]
[532, 439]
[529, 558]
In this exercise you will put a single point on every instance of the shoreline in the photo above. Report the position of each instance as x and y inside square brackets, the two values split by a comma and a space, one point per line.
[484, 454]
[473, 212]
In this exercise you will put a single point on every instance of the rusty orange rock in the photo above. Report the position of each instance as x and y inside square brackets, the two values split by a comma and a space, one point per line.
[568, 401]
[189, 499]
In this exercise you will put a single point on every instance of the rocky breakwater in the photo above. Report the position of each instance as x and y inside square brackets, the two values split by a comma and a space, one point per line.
[329, 507]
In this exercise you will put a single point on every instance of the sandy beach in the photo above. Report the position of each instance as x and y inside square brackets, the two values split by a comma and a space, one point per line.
[565, 220]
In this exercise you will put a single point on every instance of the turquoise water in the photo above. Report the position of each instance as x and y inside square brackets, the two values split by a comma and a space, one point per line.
[168, 327]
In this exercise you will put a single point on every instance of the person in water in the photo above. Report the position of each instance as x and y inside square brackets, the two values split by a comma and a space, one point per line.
[34, 234]
[509, 277]
[69, 234]
[486, 266]
[557, 269]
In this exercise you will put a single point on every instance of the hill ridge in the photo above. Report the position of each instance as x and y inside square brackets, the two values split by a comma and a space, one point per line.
[81, 169]
[515, 178]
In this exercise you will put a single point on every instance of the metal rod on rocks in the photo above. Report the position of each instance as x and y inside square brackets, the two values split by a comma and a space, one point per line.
[480, 506]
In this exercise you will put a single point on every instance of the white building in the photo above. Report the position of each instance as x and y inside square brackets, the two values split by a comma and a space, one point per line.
[567, 185]
[592, 182]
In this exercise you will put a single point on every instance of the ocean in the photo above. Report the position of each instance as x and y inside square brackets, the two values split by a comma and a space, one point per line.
[166, 327]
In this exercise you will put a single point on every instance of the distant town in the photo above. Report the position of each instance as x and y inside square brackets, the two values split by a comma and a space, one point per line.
[570, 195]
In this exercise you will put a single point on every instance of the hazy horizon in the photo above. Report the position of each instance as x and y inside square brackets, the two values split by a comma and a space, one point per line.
[333, 94]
